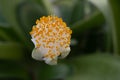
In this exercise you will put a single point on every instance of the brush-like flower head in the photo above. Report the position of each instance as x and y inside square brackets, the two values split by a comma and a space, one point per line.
[51, 38]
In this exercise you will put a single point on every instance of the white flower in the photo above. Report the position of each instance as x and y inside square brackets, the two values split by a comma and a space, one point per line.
[51, 38]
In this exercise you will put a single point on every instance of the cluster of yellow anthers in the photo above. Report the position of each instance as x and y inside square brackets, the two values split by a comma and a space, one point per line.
[51, 38]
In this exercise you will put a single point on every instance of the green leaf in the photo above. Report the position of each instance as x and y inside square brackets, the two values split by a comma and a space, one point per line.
[93, 21]
[4, 28]
[115, 10]
[78, 11]
[3, 22]
[11, 51]
[95, 67]
[8, 34]
[3, 35]
[8, 8]
[6, 31]
[48, 6]
[64, 9]
[110, 10]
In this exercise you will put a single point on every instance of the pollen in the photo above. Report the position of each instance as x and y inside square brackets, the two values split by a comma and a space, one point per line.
[51, 37]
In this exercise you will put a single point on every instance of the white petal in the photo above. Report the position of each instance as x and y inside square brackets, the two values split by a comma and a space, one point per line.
[36, 54]
[65, 52]
[50, 61]
[34, 42]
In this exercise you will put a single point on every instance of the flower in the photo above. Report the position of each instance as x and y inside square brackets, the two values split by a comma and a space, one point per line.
[51, 38]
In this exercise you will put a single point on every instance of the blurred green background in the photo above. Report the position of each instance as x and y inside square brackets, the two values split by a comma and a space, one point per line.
[95, 44]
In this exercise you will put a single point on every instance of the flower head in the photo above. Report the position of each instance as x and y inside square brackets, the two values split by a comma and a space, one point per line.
[51, 38]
